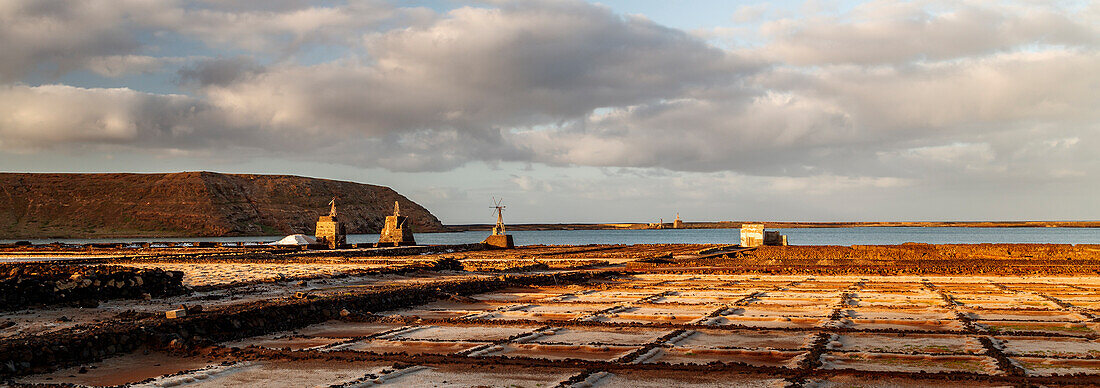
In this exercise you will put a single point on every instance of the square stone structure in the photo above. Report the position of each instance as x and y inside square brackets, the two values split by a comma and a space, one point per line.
[772, 237]
[752, 235]
[500, 241]
[397, 231]
[331, 232]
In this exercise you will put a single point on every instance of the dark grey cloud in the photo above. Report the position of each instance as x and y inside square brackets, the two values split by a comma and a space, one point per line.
[892, 90]
[55, 36]
[444, 94]
[219, 71]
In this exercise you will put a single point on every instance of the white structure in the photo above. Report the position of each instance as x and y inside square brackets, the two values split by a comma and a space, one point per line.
[295, 239]
[752, 235]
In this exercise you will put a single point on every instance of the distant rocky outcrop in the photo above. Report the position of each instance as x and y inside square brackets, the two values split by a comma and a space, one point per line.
[190, 204]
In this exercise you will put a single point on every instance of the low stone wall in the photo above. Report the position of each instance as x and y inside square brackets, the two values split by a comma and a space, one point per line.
[23, 285]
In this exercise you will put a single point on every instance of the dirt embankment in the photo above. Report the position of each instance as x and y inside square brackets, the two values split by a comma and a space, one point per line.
[190, 204]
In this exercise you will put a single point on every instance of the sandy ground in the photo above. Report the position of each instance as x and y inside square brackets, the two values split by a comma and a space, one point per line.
[224, 273]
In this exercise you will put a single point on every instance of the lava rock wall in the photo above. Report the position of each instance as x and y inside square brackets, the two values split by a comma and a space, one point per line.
[23, 285]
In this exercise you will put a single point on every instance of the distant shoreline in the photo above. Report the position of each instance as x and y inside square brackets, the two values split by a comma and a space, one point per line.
[783, 225]
[629, 226]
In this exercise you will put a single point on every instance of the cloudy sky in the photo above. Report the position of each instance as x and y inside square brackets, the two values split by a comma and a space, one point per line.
[573, 111]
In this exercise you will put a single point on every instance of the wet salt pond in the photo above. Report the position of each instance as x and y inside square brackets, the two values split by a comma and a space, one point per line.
[708, 355]
[621, 336]
[910, 363]
[664, 323]
[1053, 347]
[909, 344]
[746, 339]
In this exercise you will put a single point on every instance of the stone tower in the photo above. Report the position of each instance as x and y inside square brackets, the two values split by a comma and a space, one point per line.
[677, 224]
[330, 231]
[397, 231]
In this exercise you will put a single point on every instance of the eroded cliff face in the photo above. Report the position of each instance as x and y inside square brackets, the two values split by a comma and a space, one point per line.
[190, 204]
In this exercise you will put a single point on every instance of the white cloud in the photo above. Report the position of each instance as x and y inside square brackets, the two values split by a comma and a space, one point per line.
[876, 98]
[831, 184]
[280, 27]
[750, 13]
[949, 154]
[58, 116]
[119, 65]
[527, 183]
[899, 32]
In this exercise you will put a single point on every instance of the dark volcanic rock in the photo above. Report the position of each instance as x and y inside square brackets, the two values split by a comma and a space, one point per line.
[190, 204]
[41, 284]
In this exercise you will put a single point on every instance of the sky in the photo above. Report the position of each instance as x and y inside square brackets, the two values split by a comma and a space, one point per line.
[575, 111]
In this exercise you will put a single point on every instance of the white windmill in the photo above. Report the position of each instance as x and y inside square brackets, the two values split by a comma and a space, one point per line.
[499, 210]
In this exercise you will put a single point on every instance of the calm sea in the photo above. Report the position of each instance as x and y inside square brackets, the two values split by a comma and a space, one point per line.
[801, 236]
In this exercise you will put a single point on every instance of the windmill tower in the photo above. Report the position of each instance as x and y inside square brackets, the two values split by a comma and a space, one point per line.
[499, 239]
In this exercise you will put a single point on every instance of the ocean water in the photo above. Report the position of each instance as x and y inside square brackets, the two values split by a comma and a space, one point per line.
[797, 236]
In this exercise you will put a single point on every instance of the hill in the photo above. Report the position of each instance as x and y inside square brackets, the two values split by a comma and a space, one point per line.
[189, 204]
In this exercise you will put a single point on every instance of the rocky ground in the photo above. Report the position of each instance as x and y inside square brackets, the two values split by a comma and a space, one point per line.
[645, 315]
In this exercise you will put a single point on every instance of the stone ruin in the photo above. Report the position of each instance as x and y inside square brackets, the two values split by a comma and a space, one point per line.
[330, 231]
[772, 237]
[754, 235]
[397, 231]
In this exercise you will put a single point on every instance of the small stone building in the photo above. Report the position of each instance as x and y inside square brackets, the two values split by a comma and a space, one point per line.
[752, 235]
[772, 237]
[397, 231]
